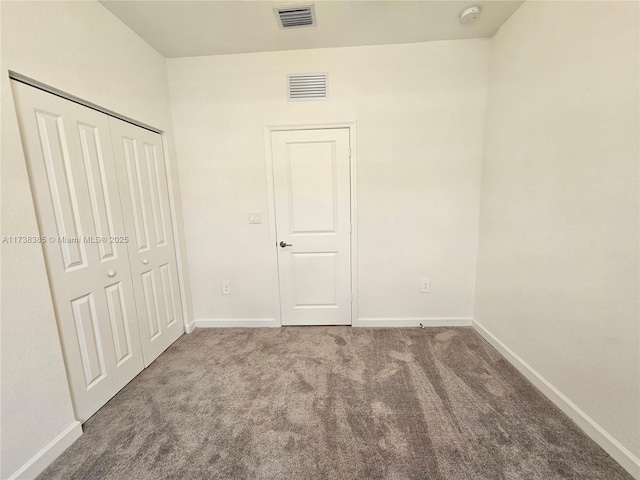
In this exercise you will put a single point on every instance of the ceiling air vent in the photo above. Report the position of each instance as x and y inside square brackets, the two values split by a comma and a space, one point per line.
[293, 16]
[307, 86]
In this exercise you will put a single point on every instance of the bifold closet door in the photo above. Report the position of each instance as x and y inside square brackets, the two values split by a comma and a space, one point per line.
[142, 177]
[74, 184]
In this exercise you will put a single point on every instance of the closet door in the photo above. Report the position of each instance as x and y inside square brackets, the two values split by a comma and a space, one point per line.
[75, 189]
[142, 176]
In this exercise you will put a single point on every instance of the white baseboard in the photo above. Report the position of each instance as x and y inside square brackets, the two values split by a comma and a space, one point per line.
[413, 322]
[235, 322]
[189, 327]
[609, 444]
[49, 453]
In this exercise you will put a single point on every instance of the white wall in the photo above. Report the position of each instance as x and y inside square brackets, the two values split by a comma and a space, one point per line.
[420, 112]
[558, 279]
[81, 48]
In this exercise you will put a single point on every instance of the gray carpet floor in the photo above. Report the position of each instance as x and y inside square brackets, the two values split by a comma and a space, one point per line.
[332, 403]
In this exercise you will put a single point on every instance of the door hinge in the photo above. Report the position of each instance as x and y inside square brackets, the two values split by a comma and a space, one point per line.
[350, 151]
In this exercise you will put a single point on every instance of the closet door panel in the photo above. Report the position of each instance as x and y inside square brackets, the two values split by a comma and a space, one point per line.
[141, 167]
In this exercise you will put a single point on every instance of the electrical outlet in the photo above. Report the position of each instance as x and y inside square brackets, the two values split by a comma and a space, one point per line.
[226, 287]
[425, 285]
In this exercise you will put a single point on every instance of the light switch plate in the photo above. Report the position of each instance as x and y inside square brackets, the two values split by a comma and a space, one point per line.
[255, 217]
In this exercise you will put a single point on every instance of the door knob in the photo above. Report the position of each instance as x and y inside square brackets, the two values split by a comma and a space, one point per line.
[111, 273]
[283, 244]
[145, 261]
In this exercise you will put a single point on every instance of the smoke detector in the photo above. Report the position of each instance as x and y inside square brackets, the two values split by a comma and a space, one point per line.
[470, 15]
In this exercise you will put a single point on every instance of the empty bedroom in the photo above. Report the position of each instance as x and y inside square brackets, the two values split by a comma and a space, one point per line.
[333, 239]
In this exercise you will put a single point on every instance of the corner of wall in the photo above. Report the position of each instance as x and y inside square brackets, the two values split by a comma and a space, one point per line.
[620, 454]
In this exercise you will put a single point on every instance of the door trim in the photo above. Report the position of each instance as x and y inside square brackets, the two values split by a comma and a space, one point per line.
[272, 209]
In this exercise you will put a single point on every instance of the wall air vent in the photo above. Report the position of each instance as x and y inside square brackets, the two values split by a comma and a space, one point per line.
[294, 16]
[307, 86]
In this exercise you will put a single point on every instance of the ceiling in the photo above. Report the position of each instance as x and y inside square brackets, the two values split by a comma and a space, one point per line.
[185, 28]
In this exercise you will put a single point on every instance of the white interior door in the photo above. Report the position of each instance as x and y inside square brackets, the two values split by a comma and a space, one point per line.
[312, 190]
[73, 181]
[142, 176]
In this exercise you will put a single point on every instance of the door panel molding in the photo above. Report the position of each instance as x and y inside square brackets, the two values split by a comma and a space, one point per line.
[273, 238]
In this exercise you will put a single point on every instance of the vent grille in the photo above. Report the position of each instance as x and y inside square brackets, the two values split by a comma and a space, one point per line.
[308, 86]
[294, 16]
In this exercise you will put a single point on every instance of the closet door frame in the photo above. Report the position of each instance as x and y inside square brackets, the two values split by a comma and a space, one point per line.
[188, 326]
